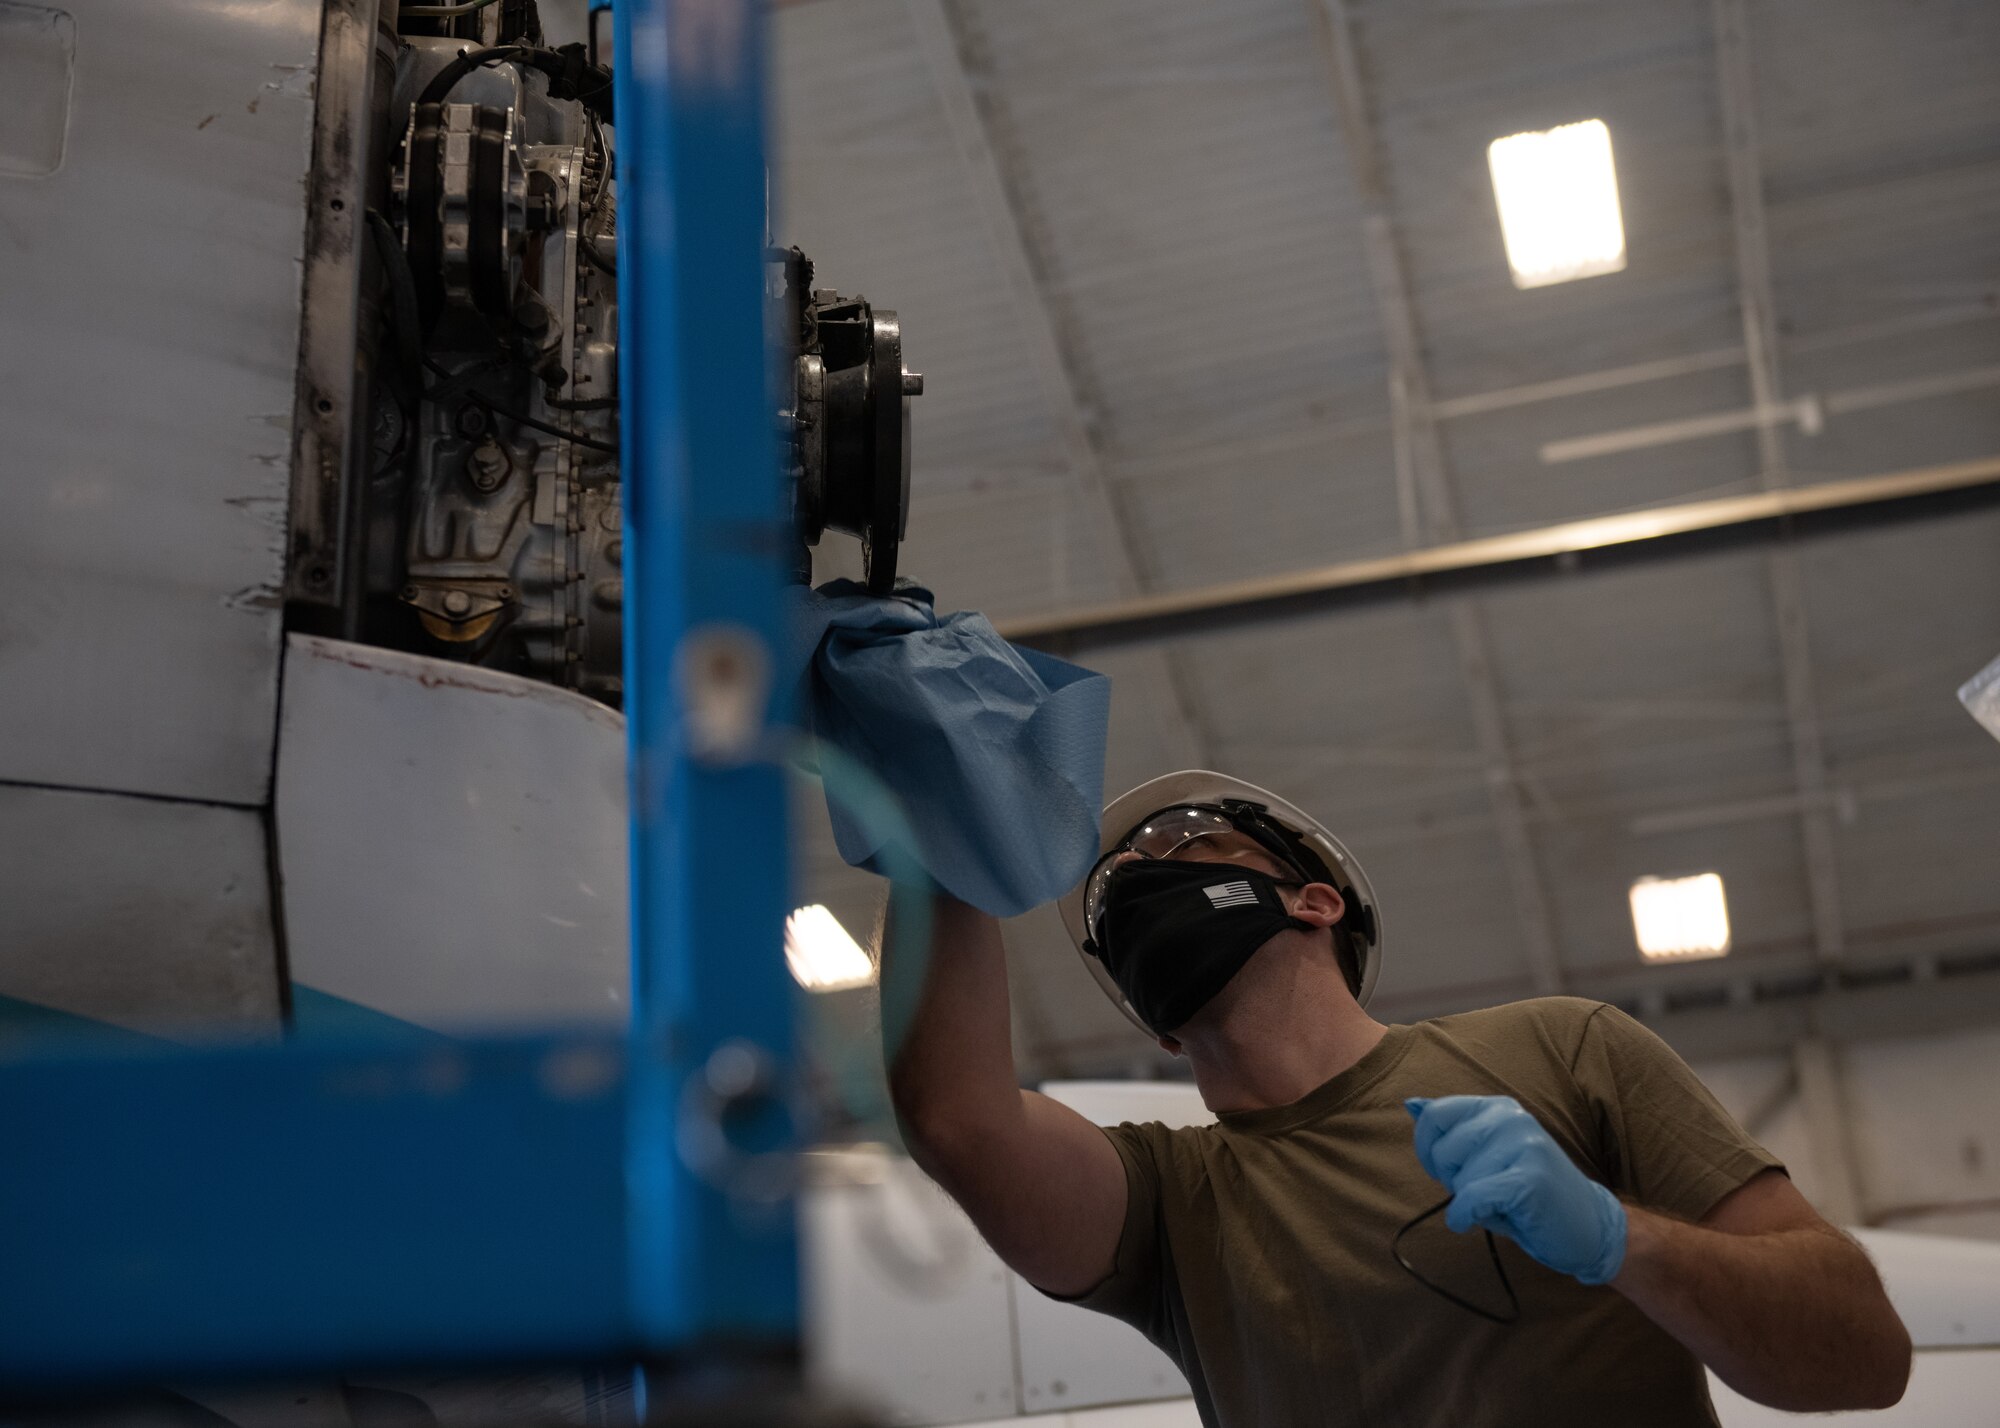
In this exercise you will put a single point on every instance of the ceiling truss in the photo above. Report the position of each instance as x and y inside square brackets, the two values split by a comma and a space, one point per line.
[1756, 297]
[947, 36]
[1425, 498]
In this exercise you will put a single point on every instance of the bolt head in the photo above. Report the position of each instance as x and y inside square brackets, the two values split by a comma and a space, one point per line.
[487, 466]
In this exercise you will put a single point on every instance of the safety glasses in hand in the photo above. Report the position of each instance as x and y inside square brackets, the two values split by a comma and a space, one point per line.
[1162, 835]
[1493, 1252]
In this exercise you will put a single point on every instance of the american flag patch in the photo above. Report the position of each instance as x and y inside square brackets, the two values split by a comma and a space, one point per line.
[1236, 894]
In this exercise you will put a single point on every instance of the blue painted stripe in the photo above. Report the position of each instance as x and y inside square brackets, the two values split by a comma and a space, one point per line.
[28, 1025]
[322, 1014]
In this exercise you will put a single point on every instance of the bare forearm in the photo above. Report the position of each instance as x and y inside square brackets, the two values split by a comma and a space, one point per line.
[954, 1068]
[1043, 1184]
[1796, 1319]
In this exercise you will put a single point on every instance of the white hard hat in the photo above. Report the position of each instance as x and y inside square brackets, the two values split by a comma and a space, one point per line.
[1202, 788]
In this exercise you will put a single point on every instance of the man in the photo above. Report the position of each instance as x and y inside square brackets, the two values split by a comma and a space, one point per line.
[1282, 1256]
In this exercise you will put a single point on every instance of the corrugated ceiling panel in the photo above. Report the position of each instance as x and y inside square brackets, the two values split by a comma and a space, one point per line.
[1031, 547]
[1221, 513]
[1846, 89]
[1948, 427]
[1061, 1018]
[1183, 179]
[1376, 696]
[1138, 750]
[1674, 702]
[1448, 920]
[1504, 484]
[1901, 618]
[1919, 868]
[1447, 82]
[1672, 710]
[1881, 151]
[1187, 194]
[869, 184]
[1886, 244]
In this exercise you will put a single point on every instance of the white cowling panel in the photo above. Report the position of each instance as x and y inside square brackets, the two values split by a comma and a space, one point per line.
[138, 912]
[452, 841]
[149, 328]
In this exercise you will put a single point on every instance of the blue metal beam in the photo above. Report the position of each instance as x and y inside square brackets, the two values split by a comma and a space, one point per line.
[261, 1209]
[705, 539]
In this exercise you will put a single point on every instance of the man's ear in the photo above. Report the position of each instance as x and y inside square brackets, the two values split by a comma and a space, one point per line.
[1170, 1046]
[1319, 904]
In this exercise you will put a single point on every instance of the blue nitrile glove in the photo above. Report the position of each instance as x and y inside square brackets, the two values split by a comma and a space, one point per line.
[1506, 1173]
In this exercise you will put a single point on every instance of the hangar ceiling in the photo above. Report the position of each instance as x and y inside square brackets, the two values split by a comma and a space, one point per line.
[1206, 292]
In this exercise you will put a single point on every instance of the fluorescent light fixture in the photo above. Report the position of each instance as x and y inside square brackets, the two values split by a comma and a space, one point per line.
[1679, 919]
[1558, 196]
[822, 956]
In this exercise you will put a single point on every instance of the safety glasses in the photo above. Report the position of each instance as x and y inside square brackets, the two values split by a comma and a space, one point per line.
[1493, 1252]
[1167, 831]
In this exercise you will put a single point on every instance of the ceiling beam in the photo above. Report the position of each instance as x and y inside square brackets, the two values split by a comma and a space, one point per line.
[949, 42]
[1567, 551]
[1425, 499]
[1756, 297]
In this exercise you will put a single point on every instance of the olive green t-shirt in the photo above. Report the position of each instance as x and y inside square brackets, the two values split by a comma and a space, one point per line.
[1256, 1252]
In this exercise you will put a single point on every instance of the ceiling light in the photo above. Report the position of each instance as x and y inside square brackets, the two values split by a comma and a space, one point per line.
[1558, 196]
[1677, 919]
[822, 956]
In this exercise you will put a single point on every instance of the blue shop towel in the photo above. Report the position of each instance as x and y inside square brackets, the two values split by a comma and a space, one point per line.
[996, 753]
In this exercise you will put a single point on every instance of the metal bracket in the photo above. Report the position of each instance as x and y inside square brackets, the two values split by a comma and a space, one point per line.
[327, 440]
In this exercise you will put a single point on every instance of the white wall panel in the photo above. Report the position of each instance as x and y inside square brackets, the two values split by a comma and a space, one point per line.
[1174, 1413]
[1107, 1103]
[1947, 1290]
[1920, 1116]
[452, 840]
[1749, 1086]
[1979, 1222]
[1927, 1113]
[1073, 1357]
[147, 914]
[1947, 1390]
[906, 1307]
[148, 338]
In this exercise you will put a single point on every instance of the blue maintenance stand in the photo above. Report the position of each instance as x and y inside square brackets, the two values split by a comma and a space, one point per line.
[299, 1208]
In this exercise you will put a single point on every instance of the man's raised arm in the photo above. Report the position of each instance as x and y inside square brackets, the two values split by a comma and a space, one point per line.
[1043, 1184]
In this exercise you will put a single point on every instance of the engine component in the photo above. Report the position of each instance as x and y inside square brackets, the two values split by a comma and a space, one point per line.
[851, 433]
[489, 500]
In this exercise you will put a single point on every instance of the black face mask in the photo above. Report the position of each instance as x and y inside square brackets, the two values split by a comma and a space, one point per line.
[1172, 934]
